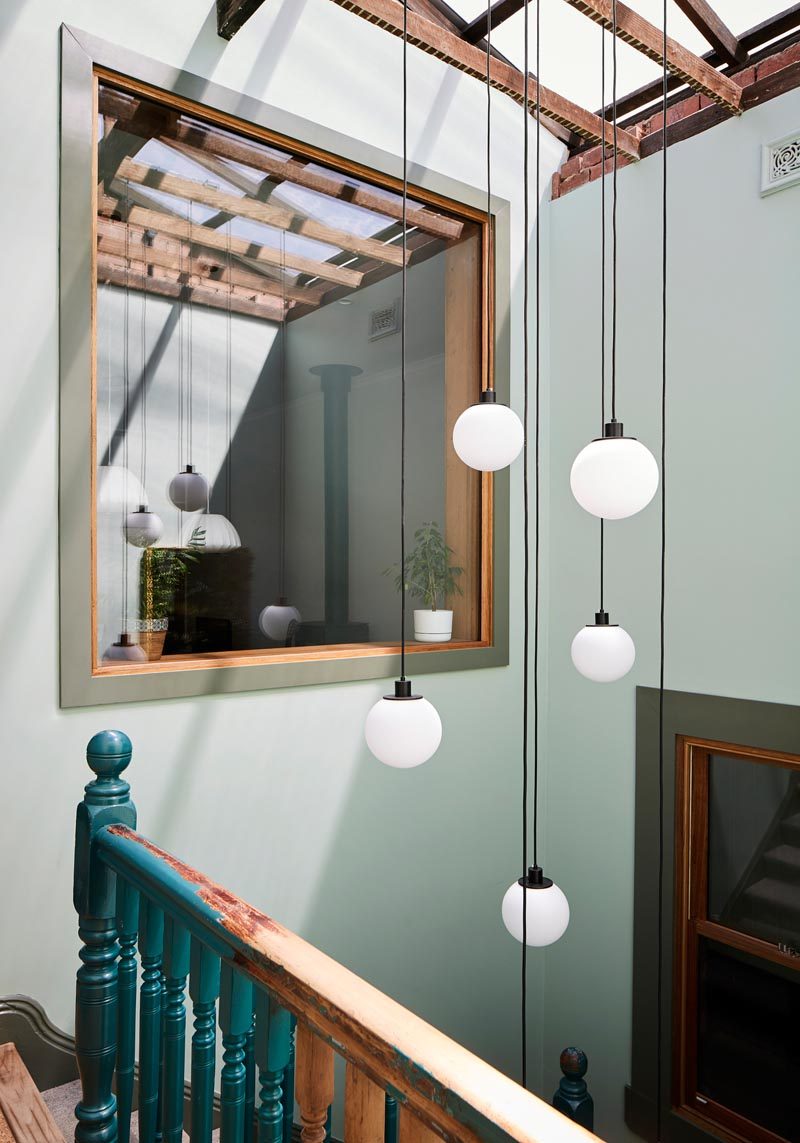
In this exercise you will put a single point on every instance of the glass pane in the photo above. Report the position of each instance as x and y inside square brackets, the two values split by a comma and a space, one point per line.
[754, 848]
[748, 1048]
[248, 399]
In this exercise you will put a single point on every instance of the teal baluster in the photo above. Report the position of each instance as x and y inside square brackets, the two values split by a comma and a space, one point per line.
[176, 969]
[288, 1088]
[204, 990]
[127, 924]
[151, 944]
[106, 801]
[572, 1097]
[328, 1123]
[272, 1047]
[250, 1082]
[235, 1019]
[390, 1128]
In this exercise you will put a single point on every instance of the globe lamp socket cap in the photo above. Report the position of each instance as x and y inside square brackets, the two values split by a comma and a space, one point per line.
[402, 690]
[535, 879]
[488, 397]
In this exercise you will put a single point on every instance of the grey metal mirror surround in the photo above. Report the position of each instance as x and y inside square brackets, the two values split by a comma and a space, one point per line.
[80, 53]
[742, 722]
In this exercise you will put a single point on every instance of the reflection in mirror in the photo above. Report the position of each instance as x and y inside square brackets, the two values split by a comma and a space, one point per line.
[247, 396]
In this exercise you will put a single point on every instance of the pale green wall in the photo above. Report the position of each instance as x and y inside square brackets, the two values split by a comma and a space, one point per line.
[733, 469]
[398, 874]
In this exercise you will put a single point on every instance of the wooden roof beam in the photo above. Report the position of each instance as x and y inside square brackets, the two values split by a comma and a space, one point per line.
[714, 30]
[501, 11]
[282, 218]
[447, 46]
[648, 39]
[234, 14]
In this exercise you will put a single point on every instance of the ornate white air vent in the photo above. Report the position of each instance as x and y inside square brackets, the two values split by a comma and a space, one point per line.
[780, 163]
[384, 321]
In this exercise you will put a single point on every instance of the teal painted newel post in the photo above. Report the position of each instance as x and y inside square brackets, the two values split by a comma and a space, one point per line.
[572, 1097]
[176, 969]
[151, 951]
[204, 990]
[273, 1042]
[127, 925]
[235, 1019]
[106, 801]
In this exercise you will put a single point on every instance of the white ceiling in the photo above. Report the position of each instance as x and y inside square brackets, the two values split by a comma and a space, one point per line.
[570, 48]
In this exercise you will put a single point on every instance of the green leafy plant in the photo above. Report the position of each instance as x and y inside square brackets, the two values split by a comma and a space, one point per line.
[428, 574]
[161, 573]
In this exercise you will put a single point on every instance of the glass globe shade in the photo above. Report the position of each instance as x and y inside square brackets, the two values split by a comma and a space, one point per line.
[603, 652]
[124, 651]
[210, 532]
[118, 489]
[547, 912]
[189, 490]
[614, 477]
[143, 527]
[403, 732]
[488, 436]
[275, 620]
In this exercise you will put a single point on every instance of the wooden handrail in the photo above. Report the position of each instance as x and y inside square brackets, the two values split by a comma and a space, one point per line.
[451, 1090]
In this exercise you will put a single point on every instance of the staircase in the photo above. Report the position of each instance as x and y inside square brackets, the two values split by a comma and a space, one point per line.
[766, 901]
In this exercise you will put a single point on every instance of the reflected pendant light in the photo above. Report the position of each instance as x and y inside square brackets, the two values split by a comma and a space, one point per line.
[279, 620]
[142, 527]
[188, 489]
[534, 910]
[488, 435]
[403, 729]
[603, 651]
[212, 531]
[125, 649]
[614, 476]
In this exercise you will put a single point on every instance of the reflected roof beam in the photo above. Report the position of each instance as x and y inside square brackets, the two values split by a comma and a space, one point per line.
[647, 38]
[714, 30]
[501, 11]
[436, 40]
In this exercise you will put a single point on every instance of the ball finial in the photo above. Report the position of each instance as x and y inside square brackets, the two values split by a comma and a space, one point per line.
[109, 753]
[573, 1062]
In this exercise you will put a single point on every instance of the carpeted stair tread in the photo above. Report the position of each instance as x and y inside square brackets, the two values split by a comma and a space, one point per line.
[792, 826]
[787, 857]
[61, 1102]
[769, 894]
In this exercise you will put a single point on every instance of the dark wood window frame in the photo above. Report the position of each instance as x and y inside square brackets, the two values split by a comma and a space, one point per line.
[693, 758]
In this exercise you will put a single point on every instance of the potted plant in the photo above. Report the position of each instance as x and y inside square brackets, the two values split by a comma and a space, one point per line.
[431, 578]
[161, 573]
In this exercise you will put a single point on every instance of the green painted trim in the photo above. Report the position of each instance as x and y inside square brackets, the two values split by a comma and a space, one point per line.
[79, 52]
[743, 722]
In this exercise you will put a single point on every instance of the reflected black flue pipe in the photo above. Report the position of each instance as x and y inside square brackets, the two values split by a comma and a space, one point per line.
[335, 383]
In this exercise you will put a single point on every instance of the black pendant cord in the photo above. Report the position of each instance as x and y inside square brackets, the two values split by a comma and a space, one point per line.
[526, 546]
[182, 287]
[143, 461]
[403, 352]
[537, 455]
[283, 331]
[228, 385]
[190, 363]
[126, 383]
[662, 602]
[614, 215]
[490, 255]
[602, 290]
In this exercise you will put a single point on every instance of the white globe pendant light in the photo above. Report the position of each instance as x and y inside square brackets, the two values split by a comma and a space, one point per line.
[603, 651]
[124, 651]
[143, 527]
[614, 476]
[488, 436]
[535, 910]
[188, 490]
[403, 730]
[276, 619]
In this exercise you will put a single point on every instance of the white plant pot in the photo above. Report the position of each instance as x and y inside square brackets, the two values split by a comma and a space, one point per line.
[433, 626]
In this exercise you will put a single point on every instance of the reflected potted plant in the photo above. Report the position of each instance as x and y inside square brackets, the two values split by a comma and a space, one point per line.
[161, 573]
[432, 579]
